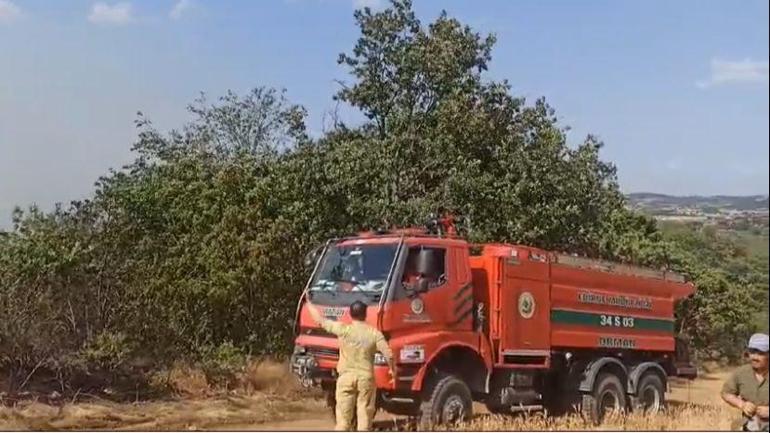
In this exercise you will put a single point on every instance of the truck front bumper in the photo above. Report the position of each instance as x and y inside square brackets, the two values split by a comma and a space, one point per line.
[306, 368]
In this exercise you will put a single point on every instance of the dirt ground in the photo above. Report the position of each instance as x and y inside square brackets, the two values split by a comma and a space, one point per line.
[694, 406]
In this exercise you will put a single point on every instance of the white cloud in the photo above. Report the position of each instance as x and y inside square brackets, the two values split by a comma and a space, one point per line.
[8, 11]
[374, 4]
[180, 8]
[730, 72]
[118, 13]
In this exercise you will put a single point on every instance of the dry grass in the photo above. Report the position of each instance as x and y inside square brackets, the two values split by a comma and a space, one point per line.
[266, 397]
[692, 406]
[689, 417]
[267, 376]
[169, 415]
[186, 381]
[264, 391]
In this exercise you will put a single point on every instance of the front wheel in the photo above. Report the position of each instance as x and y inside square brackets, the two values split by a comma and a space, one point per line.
[448, 402]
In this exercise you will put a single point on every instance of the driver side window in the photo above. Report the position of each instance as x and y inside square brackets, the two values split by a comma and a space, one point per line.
[411, 274]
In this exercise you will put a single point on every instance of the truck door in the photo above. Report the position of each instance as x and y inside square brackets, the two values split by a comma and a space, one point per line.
[446, 304]
[525, 307]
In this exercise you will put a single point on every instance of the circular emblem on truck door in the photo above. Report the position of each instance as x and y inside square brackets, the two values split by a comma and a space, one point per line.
[417, 306]
[526, 305]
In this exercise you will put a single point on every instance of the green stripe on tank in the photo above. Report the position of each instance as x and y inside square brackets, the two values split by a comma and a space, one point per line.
[611, 321]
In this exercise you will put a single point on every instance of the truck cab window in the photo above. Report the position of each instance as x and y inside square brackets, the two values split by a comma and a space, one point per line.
[350, 272]
[412, 274]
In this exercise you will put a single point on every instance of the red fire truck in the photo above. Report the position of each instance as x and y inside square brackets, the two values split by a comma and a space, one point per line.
[506, 325]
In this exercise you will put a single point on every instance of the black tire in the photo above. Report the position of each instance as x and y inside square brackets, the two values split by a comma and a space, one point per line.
[608, 395]
[650, 395]
[448, 401]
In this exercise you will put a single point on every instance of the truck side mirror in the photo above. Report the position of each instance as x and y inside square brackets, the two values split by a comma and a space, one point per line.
[426, 263]
[312, 256]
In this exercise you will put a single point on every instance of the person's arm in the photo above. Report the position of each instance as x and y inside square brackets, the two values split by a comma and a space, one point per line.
[731, 397]
[384, 349]
[748, 408]
[328, 325]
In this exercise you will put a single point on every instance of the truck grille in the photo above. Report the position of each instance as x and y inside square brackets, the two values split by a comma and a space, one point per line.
[316, 332]
[323, 351]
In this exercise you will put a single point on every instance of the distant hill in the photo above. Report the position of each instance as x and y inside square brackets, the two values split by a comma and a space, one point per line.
[662, 202]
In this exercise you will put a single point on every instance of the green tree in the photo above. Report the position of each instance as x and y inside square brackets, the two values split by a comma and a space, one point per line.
[178, 255]
[440, 135]
[731, 295]
[209, 244]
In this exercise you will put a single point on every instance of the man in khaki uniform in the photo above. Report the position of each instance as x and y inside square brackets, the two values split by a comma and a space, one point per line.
[356, 390]
[747, 387]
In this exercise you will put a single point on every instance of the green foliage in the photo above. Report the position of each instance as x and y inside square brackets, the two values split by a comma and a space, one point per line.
[183, 250]
[52, 295]
[107, 350]
[221, 362]
[732, 297]
[194, 251]
[440, 135]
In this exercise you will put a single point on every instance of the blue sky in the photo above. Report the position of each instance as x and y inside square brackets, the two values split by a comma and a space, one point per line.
[677, 90]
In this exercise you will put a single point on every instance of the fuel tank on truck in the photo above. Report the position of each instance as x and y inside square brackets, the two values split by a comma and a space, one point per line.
[600, 304]
[541, 301]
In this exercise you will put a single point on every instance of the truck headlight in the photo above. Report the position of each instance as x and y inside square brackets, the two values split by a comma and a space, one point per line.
[379, 359]
[299, 350]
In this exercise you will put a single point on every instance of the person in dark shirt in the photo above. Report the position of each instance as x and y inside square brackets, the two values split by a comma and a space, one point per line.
[747, 387]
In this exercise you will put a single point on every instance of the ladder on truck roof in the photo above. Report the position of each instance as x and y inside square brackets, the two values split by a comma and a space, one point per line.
[617, 268]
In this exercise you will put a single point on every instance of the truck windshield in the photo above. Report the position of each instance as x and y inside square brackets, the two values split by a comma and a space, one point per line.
[354, 269]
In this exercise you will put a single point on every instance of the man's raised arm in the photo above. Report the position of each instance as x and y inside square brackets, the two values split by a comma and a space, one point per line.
[328, 325]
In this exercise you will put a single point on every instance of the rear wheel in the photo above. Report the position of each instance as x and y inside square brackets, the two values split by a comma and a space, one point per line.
[448, 401]
[607, 397]
[650, 394]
